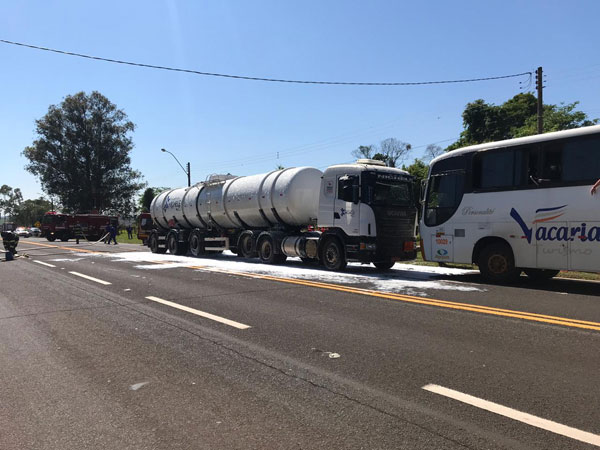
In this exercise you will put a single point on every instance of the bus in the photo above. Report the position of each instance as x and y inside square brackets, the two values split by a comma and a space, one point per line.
[519, 205]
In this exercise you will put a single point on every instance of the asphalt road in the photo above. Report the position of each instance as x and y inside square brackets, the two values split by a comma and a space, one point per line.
[221, 353]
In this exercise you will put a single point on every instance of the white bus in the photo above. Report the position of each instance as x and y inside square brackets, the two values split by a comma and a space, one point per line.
[516, 205]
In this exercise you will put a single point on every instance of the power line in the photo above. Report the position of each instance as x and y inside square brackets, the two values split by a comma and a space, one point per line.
[274, 80]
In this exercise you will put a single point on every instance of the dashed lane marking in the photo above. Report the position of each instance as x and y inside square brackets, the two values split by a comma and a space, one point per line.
[87, 277]
[523, 315]
[43, 263]
[529, 419]
[206, 315]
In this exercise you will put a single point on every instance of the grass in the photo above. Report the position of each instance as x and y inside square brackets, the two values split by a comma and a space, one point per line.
[123, 239]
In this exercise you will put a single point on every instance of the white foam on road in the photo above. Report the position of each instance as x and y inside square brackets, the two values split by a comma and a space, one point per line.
[407, 279]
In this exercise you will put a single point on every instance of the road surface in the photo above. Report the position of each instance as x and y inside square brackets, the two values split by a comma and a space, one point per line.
[113, 347]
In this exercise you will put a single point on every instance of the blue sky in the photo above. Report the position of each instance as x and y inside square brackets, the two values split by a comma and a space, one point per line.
[223, 125]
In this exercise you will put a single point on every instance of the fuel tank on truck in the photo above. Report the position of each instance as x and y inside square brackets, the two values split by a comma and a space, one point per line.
[288, 197]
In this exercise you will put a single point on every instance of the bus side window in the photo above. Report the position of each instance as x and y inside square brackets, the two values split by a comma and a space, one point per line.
[552, 161]
[581, 160]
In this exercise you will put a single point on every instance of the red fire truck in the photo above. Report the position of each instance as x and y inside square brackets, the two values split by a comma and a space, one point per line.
[61, 226]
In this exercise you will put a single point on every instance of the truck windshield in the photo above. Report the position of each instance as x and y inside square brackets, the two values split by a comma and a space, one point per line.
[387, 189]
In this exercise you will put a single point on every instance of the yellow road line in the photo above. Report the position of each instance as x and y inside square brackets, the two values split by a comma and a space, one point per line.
[524, 315]
[83, 250]
[555, 320]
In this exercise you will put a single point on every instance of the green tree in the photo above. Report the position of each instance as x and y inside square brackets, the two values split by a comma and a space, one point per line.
[147, 197]
[418, 169]
[484, 122]
[31, 211]
[81, 154]
[10, 199]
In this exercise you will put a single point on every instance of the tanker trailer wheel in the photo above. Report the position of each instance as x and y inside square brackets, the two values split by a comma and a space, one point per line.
[266, 251]
[175, 247]
[196, 244]
[333, 255]
[153, 244]
[246, 246]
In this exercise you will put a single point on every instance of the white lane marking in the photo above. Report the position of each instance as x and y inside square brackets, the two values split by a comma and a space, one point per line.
[231, 323]
[87, 277]
[43, 263]
[514, 414]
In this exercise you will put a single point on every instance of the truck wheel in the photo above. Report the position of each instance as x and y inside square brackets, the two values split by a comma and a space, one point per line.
[51, 238]
[64, 238]
[245, 247]
[196, 244]
[333, 256]
[153, 244]
[266, 252]
[175, 247]
[384, 265]
[541, 274]
[497, 264]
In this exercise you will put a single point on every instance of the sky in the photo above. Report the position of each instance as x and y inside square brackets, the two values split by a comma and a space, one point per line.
[243, 127]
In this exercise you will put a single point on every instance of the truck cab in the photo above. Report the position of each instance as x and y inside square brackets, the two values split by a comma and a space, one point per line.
[371, 210]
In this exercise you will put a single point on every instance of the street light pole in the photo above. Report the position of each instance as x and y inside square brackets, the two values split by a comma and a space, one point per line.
[187, 172]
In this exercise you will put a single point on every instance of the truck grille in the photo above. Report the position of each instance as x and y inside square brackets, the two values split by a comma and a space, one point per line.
[394, 227]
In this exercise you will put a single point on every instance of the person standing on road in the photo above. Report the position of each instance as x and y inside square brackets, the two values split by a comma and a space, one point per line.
[113, 234]
[595, 187]
[129, 232]
[78, 232]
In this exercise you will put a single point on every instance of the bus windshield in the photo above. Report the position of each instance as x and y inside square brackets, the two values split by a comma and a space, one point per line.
[386, 189]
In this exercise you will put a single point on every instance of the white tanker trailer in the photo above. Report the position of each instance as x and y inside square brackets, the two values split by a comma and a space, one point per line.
[362, 212]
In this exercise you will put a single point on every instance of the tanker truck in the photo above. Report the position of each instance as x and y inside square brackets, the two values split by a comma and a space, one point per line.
[363, 212]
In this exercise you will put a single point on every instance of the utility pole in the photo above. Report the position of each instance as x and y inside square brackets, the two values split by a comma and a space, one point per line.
[539, 83]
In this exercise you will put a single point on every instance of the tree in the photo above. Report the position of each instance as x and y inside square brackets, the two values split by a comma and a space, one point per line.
[147, 197]
[364, 151]
[418, 169]
[391, 151]
[432, 151]
[10, 199]
[82, 154]
[484, 122]
[394, 151]
[31, 211]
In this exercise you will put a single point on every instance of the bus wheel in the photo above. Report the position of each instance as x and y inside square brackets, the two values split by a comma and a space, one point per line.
[497, 263]
[541, 274]
[153, 244]
[384, 265]
[333, 255]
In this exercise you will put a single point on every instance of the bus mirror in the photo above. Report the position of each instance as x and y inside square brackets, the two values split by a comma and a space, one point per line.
[423, 190]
